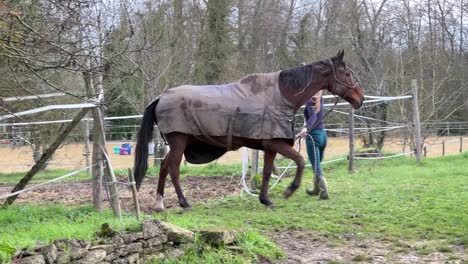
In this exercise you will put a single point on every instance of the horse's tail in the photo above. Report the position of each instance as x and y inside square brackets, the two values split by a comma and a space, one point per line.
[145, 134]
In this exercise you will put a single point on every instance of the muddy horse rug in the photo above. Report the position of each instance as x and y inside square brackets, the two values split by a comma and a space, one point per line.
[252, 107]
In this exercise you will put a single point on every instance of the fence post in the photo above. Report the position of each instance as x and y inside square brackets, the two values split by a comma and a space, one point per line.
[97, 185]
[425, 151]
[443, 148]
[351, 140]
[416, 123]
[254, 162]
[461, 144]
[131, 181]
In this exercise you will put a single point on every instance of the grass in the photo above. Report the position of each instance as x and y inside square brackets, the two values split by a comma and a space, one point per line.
[392, 200]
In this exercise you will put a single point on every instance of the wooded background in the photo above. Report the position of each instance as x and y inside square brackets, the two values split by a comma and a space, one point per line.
[133, 50]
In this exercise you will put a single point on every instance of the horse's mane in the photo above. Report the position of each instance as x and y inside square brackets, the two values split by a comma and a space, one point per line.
[297, 78]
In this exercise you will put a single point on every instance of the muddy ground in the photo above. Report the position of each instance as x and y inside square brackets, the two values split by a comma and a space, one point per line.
[300, 246]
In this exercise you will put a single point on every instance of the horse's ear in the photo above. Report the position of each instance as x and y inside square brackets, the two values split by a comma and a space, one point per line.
[338, 57]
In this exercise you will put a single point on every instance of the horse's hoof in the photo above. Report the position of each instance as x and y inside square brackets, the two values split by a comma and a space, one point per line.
[288, 192]
[312, 192]
[186, 206]
[323, 196]
[266, 202]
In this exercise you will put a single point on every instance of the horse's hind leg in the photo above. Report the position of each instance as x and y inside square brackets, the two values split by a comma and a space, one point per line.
[163, 171]
[178, 143]
[267, 169]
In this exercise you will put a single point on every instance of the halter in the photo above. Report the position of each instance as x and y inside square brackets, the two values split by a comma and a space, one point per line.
[340, 82]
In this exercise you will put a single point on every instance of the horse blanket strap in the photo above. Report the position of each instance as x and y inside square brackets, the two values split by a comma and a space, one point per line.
[232, 123]
[252, 107]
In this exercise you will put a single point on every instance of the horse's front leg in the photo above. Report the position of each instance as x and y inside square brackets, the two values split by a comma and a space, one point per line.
[283, 148]
[267, 169]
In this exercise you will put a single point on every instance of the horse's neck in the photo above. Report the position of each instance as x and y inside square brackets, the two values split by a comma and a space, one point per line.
[299, 98]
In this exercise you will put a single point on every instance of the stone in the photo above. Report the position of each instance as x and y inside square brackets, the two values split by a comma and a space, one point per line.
[152, 228]
[144, 243]
[124, 250]
[26, 253]
[157, 240]
[133, 258]
[77, 253]
[174, 253]
[119, 261]
[168, 244]
[74, 248]
[218, 237]
[62, 258]
[112, 256]
[66, 244]
[153, 250]
[49, 253]
[118, 240]
[93, 256]
[34, 259]
[131, 237]
[132, 248]
[107, 248]
[177, 234]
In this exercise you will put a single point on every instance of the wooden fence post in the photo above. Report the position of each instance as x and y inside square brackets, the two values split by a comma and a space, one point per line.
[131, 181]
[351, 140]
[416, 122]
[461, 144]
[97, 185]
[443, 148]
[109, 171]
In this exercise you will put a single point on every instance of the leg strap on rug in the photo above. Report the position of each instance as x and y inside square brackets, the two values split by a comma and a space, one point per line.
[232, 122]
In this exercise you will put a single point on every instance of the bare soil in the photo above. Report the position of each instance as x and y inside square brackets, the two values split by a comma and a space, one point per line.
[300, 246]
[311, 247]
[196, 190]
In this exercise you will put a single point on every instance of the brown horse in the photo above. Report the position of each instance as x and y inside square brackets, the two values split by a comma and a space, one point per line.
[259, 102]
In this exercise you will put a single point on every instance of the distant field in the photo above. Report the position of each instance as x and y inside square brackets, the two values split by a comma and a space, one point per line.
[71, 156]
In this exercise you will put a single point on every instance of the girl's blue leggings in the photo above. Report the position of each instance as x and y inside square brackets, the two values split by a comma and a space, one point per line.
[316, 149]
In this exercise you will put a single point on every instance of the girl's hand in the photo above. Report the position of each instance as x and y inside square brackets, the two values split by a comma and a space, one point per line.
[303, 132]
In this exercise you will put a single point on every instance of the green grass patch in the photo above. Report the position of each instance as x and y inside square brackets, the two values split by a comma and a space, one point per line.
[250, 247]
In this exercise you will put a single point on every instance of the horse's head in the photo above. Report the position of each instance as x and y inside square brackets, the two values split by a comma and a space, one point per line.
[341, 81]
